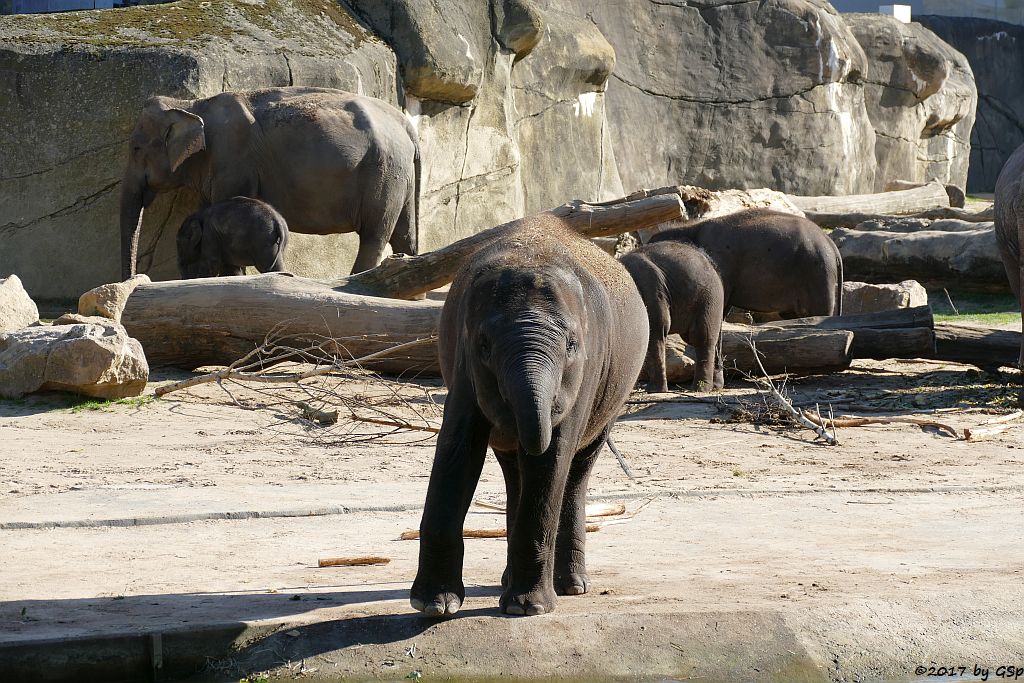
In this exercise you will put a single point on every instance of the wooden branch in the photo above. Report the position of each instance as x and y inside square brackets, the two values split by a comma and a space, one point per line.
[984, 347]
[414, 534]
[901, 333]
[352, 561]
[784, 403]
[955, 194]
[405, 277]
[851, 421]
[992, 427]
[930, 196]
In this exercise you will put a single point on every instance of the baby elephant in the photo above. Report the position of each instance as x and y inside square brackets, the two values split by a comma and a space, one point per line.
[769, 261]
[230, 235]
[683, 295]
[540, 341]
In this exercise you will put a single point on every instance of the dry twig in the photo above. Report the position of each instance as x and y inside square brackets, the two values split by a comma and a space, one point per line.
[853, 421]
[352, 561]
[998, 426]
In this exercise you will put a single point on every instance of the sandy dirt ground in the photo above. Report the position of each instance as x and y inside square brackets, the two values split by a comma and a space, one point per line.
[757, 551]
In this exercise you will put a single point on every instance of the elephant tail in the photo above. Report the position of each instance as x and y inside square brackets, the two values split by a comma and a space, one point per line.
[416, 188]
[280, 244]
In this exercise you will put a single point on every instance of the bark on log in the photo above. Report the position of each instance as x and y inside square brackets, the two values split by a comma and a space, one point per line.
[404, 277]
[902, 333]
[930, 196]
[982, 346]
[797, 351]
[855, 218]
[215, 321]
[965, 260]
[956, 195]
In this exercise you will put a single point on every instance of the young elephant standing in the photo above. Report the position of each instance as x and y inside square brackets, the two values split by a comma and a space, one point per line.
[769, 261]
[541, 339]
[683, 295]
[230, 235]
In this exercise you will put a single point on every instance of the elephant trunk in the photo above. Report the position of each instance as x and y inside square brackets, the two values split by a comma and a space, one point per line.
[133, 195]
[529, 388]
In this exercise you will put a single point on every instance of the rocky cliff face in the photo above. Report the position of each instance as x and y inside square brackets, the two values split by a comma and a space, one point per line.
[995, 51]
[520, 105]
[921, 100]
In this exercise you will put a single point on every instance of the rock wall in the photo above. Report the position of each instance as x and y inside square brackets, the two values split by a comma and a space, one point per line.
[519, 104]
[920, 98]
[995, 51]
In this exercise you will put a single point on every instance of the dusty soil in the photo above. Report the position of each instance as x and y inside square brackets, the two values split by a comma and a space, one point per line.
[902, 543]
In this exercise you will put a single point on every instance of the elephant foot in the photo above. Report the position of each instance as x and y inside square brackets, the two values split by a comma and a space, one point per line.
[438, 600]
[527, 603]
[573, 583]
[654, 388]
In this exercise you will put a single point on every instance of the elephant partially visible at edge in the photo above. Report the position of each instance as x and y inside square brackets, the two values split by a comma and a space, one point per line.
[1009, 220]
[228, 236]
[329, 161]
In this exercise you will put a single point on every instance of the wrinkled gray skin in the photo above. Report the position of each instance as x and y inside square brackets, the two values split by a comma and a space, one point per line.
[541, 338]
[230, 235]
[769, 261]
[683, 295]
[1009, 214]
[327, 160]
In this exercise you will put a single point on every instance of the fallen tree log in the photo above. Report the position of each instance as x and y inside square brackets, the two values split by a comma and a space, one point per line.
[796, 351]
[900, 333]
[855, 218]
[985, 347]
[966, 260]
[404, 277]
[956, 195]
[930, 196]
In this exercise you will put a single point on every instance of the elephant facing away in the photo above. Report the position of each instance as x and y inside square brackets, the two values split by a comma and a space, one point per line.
[769, 261]
[683, 295]
[1009, 215]
[230, 235]
[329, 161]
[541, 339]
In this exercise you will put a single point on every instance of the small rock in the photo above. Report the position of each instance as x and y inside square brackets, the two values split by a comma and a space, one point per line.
[98, 360]
[861, 297]
[108, 301]
[17, 310]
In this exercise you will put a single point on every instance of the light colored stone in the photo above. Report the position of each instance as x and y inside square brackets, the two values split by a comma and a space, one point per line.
[921, 100]
[17, 310]
[98, 360]
[862, 297]
[108, 300]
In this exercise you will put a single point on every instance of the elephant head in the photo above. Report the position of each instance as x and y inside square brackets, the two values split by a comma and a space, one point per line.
[194, 259]
[164, 138]
[525, 328]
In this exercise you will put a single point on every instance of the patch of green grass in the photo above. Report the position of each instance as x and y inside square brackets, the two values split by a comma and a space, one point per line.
[974, 307]
[93, 404]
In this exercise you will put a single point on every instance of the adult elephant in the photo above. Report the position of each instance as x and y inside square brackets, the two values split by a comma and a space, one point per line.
[1009, 214]
[329, 161]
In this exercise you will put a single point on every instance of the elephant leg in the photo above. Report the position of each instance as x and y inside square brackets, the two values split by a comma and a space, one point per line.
[654, 363]
[510, 469]
[405, 240]
[375, 226]
[458, 460]
[705, 339]
[571, 576]
[719, 362]
[531, 541]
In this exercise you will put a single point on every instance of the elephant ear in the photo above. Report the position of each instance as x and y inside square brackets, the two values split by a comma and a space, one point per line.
[185, 136]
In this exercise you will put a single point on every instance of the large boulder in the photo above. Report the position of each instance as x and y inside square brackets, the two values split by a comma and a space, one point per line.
[995, 51]
[17, 310]
[920, 97]
[727, 94]
[97, 358]
[863, 297]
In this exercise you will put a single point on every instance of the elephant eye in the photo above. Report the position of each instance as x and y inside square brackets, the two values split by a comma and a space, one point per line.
[485, 346]
[571, 345]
